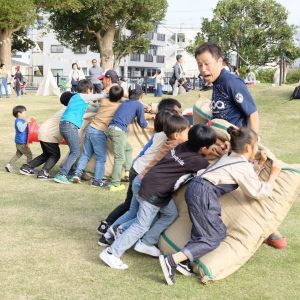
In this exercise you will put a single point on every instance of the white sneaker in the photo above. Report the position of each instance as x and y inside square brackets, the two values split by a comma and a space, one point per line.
[112, 261]
[149, 250]
[9, 168]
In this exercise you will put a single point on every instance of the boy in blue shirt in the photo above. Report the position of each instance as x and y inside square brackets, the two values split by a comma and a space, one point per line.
[21, 126]
[71, 121]
[117, 133]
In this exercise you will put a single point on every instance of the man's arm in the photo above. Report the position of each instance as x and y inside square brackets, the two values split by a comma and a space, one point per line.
[253, 121]
[177, 71]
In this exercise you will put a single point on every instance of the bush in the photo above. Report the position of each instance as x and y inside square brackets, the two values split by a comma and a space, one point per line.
[293, 76]
[265, 75]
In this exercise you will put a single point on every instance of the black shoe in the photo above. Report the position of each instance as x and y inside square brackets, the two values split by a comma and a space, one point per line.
[168, 268]
[43, 175]
[26, 170]
[185, 268]
[102, 227]
[105, 242]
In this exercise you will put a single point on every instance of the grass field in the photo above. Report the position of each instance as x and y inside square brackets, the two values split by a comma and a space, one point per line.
[49, 248]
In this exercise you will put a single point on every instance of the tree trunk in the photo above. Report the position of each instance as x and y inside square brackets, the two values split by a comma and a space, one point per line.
[106, 48]
[5, 47]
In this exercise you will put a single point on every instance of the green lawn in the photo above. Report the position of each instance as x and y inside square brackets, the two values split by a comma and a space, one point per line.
[49, 248]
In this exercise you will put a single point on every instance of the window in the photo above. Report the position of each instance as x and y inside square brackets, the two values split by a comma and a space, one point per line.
[149, 35]
[57, 49]
[161, 37]
[160, 59]
[81, 50]
[38, 71]
[152, 50]
[148, 57]
[135, 57]
[84, 70]
[60, 72]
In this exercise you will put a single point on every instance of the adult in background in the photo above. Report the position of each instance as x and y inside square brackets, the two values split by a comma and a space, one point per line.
[178, 73]
[109, 78]
[18, 80]
[75, 75]
[231, 101]
[159, 82]
[95, 71]
[3, 80]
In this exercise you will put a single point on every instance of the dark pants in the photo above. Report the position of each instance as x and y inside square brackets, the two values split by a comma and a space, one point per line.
[208, 229]
[97, 88]
[74, 88]
[49, 157]
[124, 207]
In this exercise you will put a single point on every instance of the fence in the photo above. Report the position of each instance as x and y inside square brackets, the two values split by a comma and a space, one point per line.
[147, 83]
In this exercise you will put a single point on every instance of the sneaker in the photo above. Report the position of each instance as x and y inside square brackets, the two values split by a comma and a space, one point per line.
[61, 179]
[26, 170]
[76, 179]
[112, 261]
[168, 270]
[102, 228]
[277, 243]
[145, 249]
[185, 268]
[99, 183]
[119, 188]
[104, 242]
[8, 168]
[43, 175]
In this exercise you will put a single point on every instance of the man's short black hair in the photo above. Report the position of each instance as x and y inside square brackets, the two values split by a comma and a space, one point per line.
[210, 47]
[135, 91]
[201, 135]
[84, 85]
[168, 103]
[115, 93]
[18, 109]
[175, 123]
[65, 97]
[178, 56]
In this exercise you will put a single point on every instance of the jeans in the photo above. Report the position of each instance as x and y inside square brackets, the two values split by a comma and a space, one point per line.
[122, 153]
[49, 157]
[74, 88]
[128, 218]
[4, 84]
[94, 142]
[70, 133]
[145, 216]
[158, 91]
[123, 207]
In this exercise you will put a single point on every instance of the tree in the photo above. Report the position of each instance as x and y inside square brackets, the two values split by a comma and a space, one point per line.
[14, 16]
[114, 28]
[21, 42]
[256, 29]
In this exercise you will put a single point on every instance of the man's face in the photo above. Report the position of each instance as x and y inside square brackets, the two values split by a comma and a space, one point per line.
[209, 67]
[94, 63]
[106, 82]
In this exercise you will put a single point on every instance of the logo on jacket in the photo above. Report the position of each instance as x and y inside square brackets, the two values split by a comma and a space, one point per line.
[239, 98]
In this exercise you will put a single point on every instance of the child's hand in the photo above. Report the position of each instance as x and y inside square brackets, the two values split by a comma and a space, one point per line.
[276, 167]
[263, 157]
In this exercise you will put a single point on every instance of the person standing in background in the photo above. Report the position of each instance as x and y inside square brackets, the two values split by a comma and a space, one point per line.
[3, 80]
[94, 72]
[75, 75]
[18, 81]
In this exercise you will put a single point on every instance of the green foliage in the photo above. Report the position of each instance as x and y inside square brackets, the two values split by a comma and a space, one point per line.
[199, 39]
[96, 17]
[15, 14]
[293, 76]
[256, 29]
[21, 42]
[265, 75]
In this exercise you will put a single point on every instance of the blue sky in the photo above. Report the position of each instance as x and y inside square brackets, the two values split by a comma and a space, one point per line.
[188, 13]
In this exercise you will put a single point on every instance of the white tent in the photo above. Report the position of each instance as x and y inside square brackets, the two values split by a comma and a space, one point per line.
[48, 87]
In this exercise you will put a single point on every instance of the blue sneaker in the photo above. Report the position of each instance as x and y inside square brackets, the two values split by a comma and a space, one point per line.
[100, 183]
[61, 179]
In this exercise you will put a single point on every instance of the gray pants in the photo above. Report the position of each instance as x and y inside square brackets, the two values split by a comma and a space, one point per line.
[22, 149]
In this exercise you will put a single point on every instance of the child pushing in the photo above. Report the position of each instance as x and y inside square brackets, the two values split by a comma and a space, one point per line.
[202, 195]
[21, 127]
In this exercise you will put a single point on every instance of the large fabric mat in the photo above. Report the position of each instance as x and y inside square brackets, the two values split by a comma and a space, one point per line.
[249, 221]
